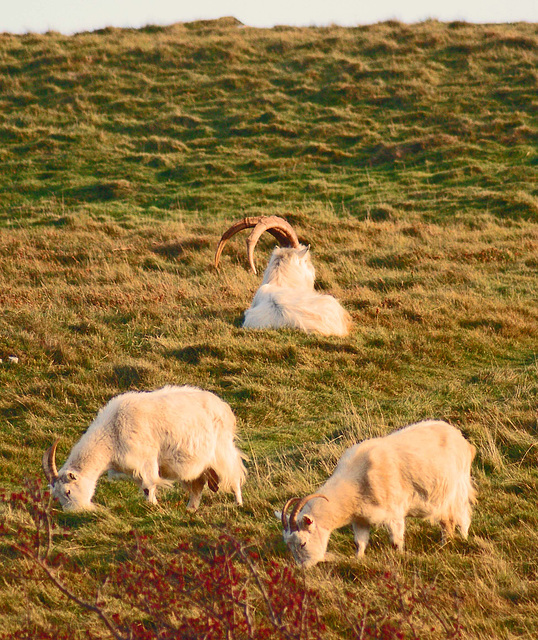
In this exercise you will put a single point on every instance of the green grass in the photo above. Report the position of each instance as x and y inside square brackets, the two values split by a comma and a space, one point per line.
[406, 156]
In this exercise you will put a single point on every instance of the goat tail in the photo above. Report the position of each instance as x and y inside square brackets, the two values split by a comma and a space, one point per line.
[459, 502]
[229, 466]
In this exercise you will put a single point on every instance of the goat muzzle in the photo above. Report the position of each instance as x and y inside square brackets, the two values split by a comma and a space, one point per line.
[278, 227]
[49, 463]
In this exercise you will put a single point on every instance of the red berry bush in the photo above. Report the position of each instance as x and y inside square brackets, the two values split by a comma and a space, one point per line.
[219, 590]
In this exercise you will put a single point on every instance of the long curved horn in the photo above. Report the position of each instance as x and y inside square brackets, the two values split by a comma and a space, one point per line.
[300, 504]
[276, 226]
[285, 512]
[49, 463]
[246, 223]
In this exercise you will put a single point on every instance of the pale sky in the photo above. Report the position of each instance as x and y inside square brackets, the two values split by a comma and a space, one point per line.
[71, 16]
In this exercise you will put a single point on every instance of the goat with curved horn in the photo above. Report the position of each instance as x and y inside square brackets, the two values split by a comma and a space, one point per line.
[286, 297]
[421, 470]
[156, 437]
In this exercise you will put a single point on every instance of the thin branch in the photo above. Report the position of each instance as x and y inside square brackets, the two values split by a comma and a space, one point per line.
[69, 594]
[255, 575]
[277, 624]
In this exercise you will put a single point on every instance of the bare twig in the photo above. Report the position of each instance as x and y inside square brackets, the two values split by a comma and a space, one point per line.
[68, 593]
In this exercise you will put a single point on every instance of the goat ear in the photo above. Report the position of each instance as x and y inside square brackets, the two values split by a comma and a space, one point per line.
[278, 514]
[307, 522]
[304, 251]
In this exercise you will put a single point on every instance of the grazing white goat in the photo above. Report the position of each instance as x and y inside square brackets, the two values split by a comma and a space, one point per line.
[286, 297]
[422, 470]
[153, 437]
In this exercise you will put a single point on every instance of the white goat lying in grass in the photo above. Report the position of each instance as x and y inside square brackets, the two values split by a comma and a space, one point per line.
[156, 437]
[286, 297]
[422, 470]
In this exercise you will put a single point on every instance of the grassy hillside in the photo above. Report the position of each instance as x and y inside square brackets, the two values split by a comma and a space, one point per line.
[404, 154]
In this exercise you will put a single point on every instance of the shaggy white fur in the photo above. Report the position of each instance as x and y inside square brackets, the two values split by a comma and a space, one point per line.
[156, 437]
[422, 470]
[286, 298]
